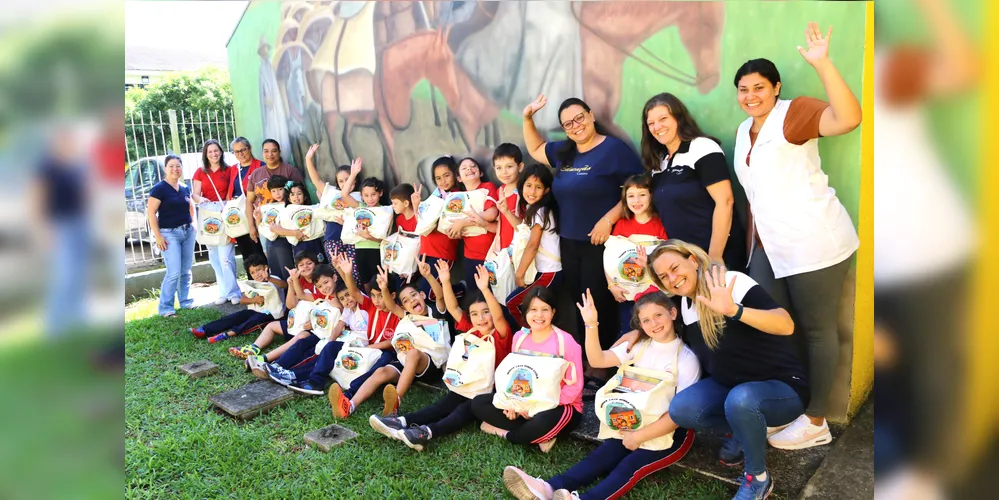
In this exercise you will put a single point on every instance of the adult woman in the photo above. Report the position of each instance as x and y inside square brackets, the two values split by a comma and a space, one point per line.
[237, 187]
[590, 168]
[256, 184]
[171, 215]
[743, 339]
[216, 175]
[801, 236]
[692, 189]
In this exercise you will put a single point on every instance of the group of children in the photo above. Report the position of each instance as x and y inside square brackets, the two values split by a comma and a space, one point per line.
[372, 302]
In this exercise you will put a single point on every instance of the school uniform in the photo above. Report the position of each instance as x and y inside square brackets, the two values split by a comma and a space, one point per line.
[548, 262]
[333, 245]
[477, 247]
[435, 246]
[242, 322]
[367, 258]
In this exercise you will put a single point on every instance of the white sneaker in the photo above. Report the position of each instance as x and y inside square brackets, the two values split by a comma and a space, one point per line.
[801, 434]
[774, 430]
[525, 487]
[221, 300]
[234, 301]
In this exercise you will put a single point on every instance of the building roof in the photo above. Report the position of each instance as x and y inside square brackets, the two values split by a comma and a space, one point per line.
[171, 59]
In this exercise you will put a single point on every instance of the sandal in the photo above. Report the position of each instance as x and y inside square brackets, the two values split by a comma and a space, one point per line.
[245, 351]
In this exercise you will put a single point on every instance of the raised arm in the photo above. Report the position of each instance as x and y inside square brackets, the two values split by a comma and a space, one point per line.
[434, 284]
[310, 168]
[495, 309]
[773, 321]
[843, 113]
[450, 299]
[597, 357]
[355, 171]
[532, 138]
[390, 304]
[345, 268]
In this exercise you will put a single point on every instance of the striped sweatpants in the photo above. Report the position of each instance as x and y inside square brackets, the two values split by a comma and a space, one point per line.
[550, 281]
[545, 426]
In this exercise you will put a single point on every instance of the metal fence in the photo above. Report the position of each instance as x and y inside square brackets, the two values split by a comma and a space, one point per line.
[149, 138]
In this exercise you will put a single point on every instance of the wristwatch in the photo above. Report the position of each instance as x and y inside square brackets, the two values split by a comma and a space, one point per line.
[738, 313]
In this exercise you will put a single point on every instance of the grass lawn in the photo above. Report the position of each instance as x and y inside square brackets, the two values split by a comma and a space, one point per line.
[176, 445]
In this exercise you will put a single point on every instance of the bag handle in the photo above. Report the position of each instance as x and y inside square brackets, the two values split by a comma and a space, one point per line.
[219, 196]
[567, 379]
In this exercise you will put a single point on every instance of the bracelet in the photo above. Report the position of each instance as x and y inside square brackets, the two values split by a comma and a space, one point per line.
[594, 325]
[738, 314]
[609, 223]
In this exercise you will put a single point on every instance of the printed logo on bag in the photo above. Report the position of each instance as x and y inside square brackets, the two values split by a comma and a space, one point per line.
[232, 216]
[491, 269]
[322, 318]
[213, 225]
[403, 343]
[628, 267]
[349, 361]
[434, 330]
[271, 216]
[364, 218]
[303, 218]
[291, 318]
[456, 203]
[392, 251]
[452, 378]
[469, 347]
[620, 414]
[422, 208]
[521, 382]
[251, 294]
[338, 203]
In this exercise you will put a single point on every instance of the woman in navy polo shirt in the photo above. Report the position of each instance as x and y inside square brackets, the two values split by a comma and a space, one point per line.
[171, 214]
[590, 168]
[692, 187]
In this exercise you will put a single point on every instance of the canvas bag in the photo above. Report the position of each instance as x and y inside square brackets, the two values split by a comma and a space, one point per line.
[531, 382]
[352, 362]
[455, 204]
[331, 204]
[634, 410]
[424, 334]
[211, 229]
[620, 255]
[347, 338]
[471, 365]
[399, 253]
[271, 214]
[324, 317]
[236, 222]
[378, 220]
[427, 215]
[502, 266]
[273, 304]
[303, 217]
[299, 316]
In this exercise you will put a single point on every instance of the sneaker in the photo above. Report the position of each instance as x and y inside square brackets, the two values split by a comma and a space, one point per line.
[258, 366]
[525, 487]
[547, 445]
[245, 351]
[342, 408]
[234, 301]
[565, 495]
[801, 434]
[198, 332]
[280, 374]
[774, 430]
[416, 436]
[391, 397]
[218, 338]
[730, 453]
[221, 300]
[754, 489]
[304, 387]
[387, 426]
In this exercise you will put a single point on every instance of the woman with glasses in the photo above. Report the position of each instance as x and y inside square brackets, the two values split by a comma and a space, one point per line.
[590, 168]
[237, 187]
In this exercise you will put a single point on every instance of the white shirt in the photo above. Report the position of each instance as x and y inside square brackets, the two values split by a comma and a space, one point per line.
[660, 356]
[355, 321]
[550, 243]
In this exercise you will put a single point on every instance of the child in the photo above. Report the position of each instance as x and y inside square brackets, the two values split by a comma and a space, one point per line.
[540, 211]
[418, 363]
[639, 217]
[366, 253]
[247, 320]
[450, 413]
[437, 245]
[476, 247]
[625, 461]
[279, 252]
[402, 197]
[540, 337]
[298, 195]
[331, 240]
[508, 162]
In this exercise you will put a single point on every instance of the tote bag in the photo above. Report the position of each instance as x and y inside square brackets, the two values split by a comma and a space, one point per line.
[236, 222]
[299, 316]
[532, 383]
[347, 338]
[635, 398]
[302, 217]
[455, 204]
[323, 316]
[352, 362]
[377, 220]
[273, 304]
[427, 215]
[471, 365]
[399, 253]
[271, 214]
[502, 266]
[424, 334]
[331, 204]
[211, 230]
[621, 263]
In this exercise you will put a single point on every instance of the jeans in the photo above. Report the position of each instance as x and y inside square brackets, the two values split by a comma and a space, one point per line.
[178, 258]
[68, 282]
[223, 261]
[745, 410]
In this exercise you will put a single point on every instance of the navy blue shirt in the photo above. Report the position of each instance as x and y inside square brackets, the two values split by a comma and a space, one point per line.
[64, 186]
[680, 192]
[175, 204]
[237, 187]
[591, 186]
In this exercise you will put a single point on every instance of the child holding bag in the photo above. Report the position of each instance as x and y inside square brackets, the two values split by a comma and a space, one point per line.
[366, 254]
[299, 195]
[279, 252]
[437, 245]
[644, 448]
[247, 320]
[544, 341]
[331, 240]
[476, 247]
[483, 320]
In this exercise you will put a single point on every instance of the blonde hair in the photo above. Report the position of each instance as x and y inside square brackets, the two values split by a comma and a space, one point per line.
[712, 323]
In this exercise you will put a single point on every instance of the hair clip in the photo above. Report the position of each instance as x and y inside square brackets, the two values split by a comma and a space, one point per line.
[288, 184]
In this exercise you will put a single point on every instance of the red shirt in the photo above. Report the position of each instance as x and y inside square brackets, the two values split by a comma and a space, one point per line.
[476, 247]
[502, 345]
[381, 324]
[506, 229]
[110, 156]
[406, 224]
[234, 177]
[212, 181]
[307, 286]
[630, 227]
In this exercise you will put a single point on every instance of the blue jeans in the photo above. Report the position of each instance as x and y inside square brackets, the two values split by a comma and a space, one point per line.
[744, 410]
[178, 257]
[68, 282]
[223, 260]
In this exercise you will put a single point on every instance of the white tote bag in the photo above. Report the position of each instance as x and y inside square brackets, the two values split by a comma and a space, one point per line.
[532, 382]
[302, 217]
[271, 214]
[620, 263]
[427, 215]
[377, 220]
[455, 204]
[424, 334]
[323, 316]
[273, 304]
[299, 316]
[471, 365]
[399, 253]
[236, 222]
[499, 265]
[211, 229]
[331, 204]
[347, 338]
[352, 362]
[635, 398]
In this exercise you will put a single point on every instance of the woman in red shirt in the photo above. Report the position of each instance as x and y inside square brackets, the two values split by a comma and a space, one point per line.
[209, 182]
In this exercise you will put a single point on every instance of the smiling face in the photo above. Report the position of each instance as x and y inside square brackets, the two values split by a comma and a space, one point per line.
[757, 96]
[259, 273]
[469, 172]
[173, 170]
[243, 153]
[278, 194]
[414, 301]
[341, 179]
[324, 286]
[305, 267]
[444, 178]
[677, 273]
[272, 154]
[577, 123]
[507, 169]
[478, 315]
[214, 154]
[639, 199]
[657, 322]
[346, 299]
[662, 125]
[370, 196]
[297, 196]
[534, 190]
[539, 315]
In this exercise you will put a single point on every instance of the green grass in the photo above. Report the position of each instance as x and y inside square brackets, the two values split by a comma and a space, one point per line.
[178, 446]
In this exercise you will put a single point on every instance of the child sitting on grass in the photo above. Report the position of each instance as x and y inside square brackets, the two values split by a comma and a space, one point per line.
[247, 320]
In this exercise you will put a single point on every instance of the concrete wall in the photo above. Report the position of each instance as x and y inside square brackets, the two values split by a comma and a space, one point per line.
[138, 285]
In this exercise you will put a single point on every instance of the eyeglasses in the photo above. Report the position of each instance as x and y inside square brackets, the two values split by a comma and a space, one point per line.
[240, 151]
[578, 120]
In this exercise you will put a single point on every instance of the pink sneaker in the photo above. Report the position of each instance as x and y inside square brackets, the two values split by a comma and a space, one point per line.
[801, 434]
[525, 487]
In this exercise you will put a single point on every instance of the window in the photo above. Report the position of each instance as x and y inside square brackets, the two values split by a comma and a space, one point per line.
[145, 80]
